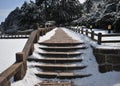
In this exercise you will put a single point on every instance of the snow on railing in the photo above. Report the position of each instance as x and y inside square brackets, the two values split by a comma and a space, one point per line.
[18, 69]
[6, 36]
[99, 37]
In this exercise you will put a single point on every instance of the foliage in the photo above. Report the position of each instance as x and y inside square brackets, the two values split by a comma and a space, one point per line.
[62, 11]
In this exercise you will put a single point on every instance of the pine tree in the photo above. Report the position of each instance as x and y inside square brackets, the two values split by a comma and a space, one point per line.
[62, 11]
[88, 5]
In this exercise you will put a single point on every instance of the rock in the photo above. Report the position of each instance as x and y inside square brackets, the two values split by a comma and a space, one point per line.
[12, 19]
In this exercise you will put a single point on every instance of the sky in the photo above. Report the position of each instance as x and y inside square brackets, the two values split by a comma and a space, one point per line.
[6, 6]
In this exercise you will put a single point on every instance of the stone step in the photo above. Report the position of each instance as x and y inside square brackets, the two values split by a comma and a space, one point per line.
[55, 83]
[61, 75]
[60, 67]
[56, 60]
[61, 44]
[58, 49]
[65, 54]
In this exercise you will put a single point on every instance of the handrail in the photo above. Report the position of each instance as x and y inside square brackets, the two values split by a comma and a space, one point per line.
[18, 69]
[8, 73]
[99, 35]
[29, 43]
[5, 36]
[116, 34]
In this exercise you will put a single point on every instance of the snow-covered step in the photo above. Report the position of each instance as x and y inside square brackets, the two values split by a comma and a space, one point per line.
[56, 60]
[55, 83]
[65, 54]
[60, 44]
[61, 48]
[61, 75]
[60, 67]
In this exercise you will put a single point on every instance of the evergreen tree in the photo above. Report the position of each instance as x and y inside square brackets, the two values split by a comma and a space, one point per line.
[88, 4]
[62, 11]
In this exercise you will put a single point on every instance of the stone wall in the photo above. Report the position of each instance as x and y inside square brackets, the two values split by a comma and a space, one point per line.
[108, 59]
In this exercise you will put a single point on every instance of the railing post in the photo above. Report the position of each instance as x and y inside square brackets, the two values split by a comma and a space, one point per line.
[81, 30]
[92, 35]
[44, 31]
[15, 36]
[3, 36]
[99, 38]
[40, 32]
[35, 26]
[26, 36]
[78, 30]
[75, 29]
[86, 32]
[31, 49]
[4, 81]
[20, 57]
[36, 37]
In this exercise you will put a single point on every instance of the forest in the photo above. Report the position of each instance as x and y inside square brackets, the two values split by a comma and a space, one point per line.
[98, 13]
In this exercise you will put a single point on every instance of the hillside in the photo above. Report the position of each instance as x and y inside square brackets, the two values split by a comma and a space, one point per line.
[100, 14]
[41, 11]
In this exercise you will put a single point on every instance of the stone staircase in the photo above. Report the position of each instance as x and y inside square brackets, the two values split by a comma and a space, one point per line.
[60, 60]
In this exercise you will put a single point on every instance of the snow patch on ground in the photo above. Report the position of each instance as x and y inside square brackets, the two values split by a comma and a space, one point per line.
[8, 48]
[97, 78]
[48, 35]
[30, 79]
[103, 45]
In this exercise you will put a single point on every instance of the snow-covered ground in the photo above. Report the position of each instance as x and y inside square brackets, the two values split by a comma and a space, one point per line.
[97, 78]
[103, 45]
[8, 48]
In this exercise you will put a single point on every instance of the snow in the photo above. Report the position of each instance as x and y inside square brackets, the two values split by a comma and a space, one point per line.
[97, 79]
[30, 79]
[8, 48]
[82, 1]
[48, 35]
[103, 45]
